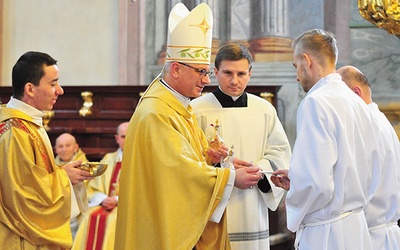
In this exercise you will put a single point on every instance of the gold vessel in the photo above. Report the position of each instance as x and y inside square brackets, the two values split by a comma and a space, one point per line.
[94, 168]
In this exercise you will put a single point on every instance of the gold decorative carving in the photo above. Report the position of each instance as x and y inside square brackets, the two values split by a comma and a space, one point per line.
[267, 96]
[46, 119]
[383, 14]
[87, 103]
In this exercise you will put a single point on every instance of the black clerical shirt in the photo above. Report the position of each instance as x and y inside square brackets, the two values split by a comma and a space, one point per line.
[226, 101]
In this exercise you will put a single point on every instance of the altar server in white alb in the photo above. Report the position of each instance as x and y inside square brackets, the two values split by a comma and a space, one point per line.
[251, 124]
[383, 211]
[336, 151]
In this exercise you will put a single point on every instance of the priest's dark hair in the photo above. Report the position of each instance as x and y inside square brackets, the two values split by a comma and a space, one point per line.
[233, 52]
[29, 68]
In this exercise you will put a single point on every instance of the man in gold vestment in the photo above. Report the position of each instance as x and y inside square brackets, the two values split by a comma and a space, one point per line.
[36, 196]
[169, 197]
[67, 149]
[97, 227]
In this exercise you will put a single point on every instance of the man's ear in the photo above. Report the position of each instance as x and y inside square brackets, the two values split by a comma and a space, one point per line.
[175, 67]
[216, 72]
[307, 59]
[357, 90]
[28, 89]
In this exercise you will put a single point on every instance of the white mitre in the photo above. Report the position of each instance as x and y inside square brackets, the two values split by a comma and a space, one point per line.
[190, 34]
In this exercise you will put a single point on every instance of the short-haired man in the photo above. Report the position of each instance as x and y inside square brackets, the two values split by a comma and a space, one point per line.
[330, 178]
[251, 124]
[36, 195]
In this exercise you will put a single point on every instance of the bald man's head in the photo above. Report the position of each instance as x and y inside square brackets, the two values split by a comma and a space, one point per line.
[356, 81]
[66, 147]
[121, 133]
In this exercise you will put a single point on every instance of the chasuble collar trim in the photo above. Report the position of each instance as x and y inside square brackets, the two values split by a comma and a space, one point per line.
[159, 91]
[227, 101]
[35, 114]
[183, 99]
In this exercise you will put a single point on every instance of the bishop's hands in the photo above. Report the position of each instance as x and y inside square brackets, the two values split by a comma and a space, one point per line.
[75, 174]
[241, 163]
[247, 174]
[216, 155]
[247, 177]
[280, 178]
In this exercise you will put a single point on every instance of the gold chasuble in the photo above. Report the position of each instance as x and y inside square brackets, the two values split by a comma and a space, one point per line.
[35, 194]
[167, 191]
[79, 156]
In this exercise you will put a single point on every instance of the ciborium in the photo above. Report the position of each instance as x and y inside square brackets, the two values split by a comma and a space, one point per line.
[94, 168]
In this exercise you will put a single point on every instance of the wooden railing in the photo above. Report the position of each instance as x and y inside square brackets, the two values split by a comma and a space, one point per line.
[92, 113]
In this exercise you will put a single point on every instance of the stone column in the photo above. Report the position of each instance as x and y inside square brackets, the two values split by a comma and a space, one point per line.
[239, 27]
[269, 18]
[131, 43]
[270, 31]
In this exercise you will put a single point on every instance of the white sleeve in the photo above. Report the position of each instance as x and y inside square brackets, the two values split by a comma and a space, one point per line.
[97, 199]
[219, 211]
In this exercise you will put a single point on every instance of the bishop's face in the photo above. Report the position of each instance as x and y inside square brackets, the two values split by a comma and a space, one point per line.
[233, 76]
[194, 78]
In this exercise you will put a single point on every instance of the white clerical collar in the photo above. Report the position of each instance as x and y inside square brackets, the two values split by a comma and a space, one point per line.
[119, 154]
[234, 98]
[181, 98]
[34, 113]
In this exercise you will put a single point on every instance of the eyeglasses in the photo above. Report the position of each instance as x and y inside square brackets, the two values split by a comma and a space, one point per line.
[202, 72]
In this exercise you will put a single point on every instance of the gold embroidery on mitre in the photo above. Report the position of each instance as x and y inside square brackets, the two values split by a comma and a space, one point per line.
[204, 26]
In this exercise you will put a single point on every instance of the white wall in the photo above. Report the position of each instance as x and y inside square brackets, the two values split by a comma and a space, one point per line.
[81, 35]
